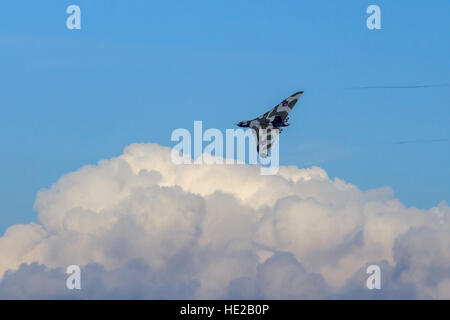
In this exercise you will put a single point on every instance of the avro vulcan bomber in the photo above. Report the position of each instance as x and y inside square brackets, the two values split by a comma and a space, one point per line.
[266, 127]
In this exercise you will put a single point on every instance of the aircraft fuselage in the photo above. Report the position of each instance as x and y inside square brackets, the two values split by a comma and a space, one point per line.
[265, 124]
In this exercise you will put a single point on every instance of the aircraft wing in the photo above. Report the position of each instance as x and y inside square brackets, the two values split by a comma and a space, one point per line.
[281, 110]
[264, 139]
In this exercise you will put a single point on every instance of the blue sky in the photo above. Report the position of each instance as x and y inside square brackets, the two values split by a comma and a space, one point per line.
[139, 69]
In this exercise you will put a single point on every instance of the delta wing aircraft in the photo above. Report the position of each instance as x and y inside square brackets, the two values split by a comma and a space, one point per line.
[267, 127]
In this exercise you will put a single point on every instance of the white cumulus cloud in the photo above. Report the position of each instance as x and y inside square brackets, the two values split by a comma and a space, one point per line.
[142, 227]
